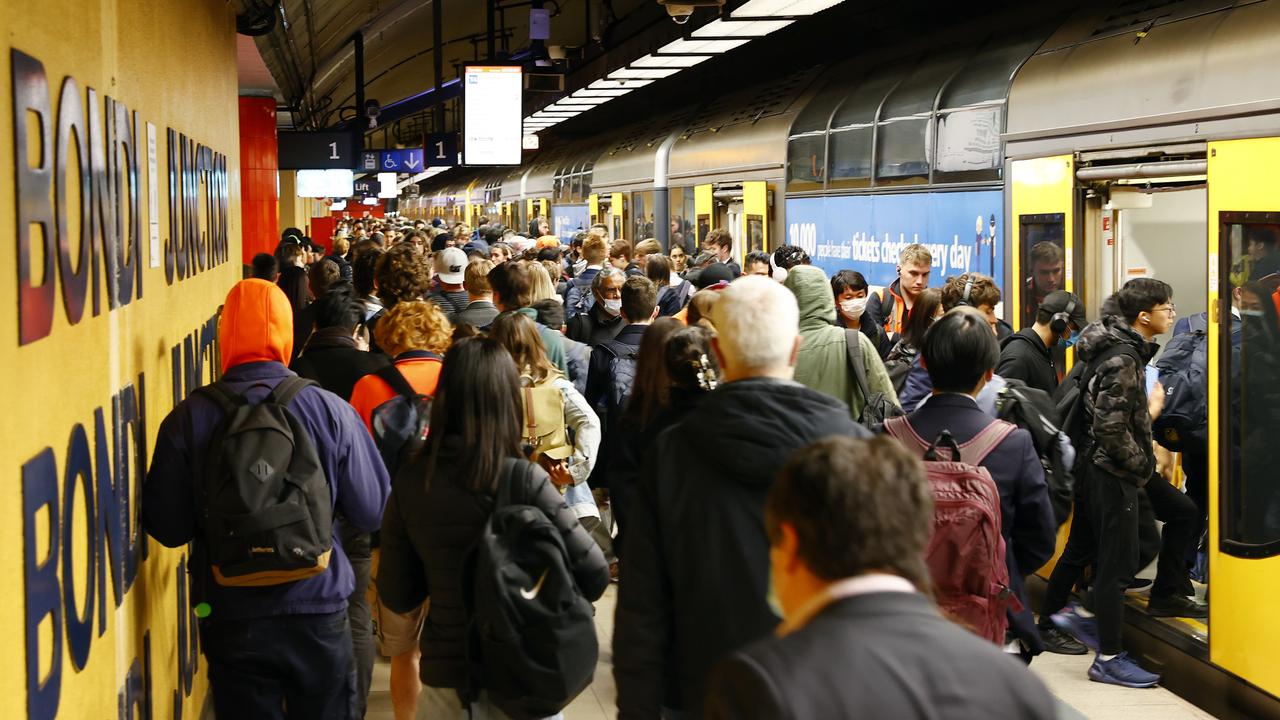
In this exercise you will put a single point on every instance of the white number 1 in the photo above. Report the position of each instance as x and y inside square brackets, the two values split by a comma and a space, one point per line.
[440, 151]
[333, 151]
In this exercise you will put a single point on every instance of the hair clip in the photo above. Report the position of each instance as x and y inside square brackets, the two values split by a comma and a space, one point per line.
[706, 375]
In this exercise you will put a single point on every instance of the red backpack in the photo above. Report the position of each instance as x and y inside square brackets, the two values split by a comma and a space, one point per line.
[966, 551]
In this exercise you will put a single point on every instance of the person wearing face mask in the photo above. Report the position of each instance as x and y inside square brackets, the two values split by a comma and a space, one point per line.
[1029, 354]
[603, 321]
[852, 295]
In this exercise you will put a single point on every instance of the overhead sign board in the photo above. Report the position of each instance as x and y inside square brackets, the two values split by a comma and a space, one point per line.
[316, 150]
[325, 183]
[442, 150]
[366, 187]
[492, 114]
[405, 160]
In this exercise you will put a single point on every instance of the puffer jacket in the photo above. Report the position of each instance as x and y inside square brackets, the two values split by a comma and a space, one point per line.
[1119, 428]
[428, 529]
[823, 361]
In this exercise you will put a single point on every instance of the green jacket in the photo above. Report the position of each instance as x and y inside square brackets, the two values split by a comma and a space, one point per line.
[823, 362]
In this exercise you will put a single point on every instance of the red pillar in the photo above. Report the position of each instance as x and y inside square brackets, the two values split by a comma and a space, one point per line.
[259, 197]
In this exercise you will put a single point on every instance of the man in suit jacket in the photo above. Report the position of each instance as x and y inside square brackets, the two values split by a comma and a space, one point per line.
[960, 353]
[848, 522]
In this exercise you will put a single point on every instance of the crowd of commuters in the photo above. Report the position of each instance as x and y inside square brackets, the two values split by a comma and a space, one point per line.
[709, 435]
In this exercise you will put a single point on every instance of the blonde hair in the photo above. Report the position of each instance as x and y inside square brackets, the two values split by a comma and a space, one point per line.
[413, 325]
[341, 245]
[476, 278]
[543, 288]
[647, 247]
[915, 254]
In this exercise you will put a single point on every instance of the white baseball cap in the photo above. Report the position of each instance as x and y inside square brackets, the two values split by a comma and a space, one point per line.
[451, 265]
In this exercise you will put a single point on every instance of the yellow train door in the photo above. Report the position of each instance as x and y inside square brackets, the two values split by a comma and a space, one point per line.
[1244, 409]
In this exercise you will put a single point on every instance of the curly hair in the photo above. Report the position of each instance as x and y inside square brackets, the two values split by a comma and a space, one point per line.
[401, 274]
[413, 325]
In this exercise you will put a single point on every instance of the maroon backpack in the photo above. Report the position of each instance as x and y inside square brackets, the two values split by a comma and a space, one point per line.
[966, 551]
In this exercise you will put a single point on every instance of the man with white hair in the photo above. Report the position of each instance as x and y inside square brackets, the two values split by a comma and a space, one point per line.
[697, 560]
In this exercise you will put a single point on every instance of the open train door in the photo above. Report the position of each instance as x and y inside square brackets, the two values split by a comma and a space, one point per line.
[755, 219]
[1244, 410]
[1043, 210]
[704, 212]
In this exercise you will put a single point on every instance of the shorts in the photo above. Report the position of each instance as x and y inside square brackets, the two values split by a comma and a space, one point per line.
[397, 633]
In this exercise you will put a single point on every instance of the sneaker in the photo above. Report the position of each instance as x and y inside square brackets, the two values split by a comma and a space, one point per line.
[1138, 584]
[1084, 629]
[1177, 606]
[1061, 643]
[1123, 671]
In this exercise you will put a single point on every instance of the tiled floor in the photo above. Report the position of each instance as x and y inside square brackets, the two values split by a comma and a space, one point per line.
[1064, 674]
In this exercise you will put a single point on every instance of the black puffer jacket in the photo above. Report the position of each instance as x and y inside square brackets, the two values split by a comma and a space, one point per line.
[1023, 356]
[426, 533]
[1116, 401]
[696, 572]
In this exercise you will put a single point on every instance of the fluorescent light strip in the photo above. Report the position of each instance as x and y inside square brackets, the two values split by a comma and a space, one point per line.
[630, 84]
[582, 101]
[642, 73]
[713, 47]
[729, 28]
[587, 92]
[669, 61]
[771, 8]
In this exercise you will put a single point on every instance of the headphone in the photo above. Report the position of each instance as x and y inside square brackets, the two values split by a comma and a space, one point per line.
[968, 289]
[1060, 320]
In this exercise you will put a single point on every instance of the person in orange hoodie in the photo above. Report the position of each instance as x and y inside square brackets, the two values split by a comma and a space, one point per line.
[281, 651]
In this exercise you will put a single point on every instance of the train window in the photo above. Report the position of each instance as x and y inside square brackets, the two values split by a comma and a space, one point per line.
[1250, 407]
[901, 152]
[968, 147]
[987, 75]
[755, 233]
[851, 157]
[806, 162]
[1043, 261]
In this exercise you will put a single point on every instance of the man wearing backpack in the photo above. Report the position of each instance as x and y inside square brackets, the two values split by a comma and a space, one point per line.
[1028, 355]
[1115, 461]
[602, 321]
[960, 354]
[889, 306]
[578, 297]
[272, 648]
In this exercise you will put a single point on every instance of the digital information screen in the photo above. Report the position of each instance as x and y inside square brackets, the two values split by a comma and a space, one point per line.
[326, 183]
[492, 114]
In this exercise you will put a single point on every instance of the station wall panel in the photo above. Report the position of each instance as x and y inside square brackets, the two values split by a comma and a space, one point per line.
[119, 238]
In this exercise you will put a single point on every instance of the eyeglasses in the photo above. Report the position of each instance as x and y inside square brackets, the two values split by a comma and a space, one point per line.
[1172, 309]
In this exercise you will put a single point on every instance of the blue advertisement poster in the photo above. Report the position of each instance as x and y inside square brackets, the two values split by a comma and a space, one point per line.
[567, 220]
[866, 232]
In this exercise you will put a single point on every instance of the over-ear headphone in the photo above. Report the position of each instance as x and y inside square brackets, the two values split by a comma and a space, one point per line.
[1060, 320]
[968, 289]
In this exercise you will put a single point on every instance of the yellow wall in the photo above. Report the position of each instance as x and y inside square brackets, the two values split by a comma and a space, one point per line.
[173, 65]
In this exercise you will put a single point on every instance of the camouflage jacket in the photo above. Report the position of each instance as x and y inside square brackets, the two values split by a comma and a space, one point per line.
[1116, 402]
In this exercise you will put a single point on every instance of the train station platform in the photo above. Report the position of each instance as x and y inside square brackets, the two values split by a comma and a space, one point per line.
[1079, 697]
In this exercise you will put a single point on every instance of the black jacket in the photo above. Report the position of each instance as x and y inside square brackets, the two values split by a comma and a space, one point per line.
[478, 313]
[1119, 426]
[1024, 356]
[1026, 515]
[594, 326]
[599, 393]
[869, 327]
[426, 534]
[878, 655]
[697, 570]
[331, 359]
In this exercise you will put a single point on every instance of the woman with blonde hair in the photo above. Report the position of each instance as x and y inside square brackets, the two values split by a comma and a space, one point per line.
[568, 461]
[543, 287]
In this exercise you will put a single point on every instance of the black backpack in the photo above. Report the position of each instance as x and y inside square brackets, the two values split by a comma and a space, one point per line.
[401, 424]
[585, 299]
[1033, 410]
[265, 505]
[875, 408]
[1068, 399]
[898, 364]
[1184, 423]
[622, 375]
[530, 624]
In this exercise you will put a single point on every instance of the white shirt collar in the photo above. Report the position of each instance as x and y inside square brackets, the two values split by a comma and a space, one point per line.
[843, 589]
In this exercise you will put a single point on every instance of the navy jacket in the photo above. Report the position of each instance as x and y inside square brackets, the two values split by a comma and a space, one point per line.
[1026, 516]
[358, 484]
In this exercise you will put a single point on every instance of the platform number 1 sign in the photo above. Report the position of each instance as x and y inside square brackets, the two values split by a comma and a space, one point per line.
[441, 150]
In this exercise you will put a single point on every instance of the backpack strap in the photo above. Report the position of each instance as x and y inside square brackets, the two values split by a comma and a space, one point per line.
[900, 429]
[982, 444]
[853, 345]
[396, 379]
[222, 394]
[287, 389]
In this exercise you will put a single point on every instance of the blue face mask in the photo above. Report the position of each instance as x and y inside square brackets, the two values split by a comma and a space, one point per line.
[1067, 342]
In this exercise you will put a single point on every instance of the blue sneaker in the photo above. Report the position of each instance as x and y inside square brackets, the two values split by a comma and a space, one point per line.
[1084, 629]
[1121, 670]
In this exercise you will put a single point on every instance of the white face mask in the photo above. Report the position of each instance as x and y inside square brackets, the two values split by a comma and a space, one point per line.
[853, 308]
[613, 307]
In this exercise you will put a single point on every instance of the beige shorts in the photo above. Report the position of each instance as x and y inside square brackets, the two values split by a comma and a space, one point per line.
[397, 633]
